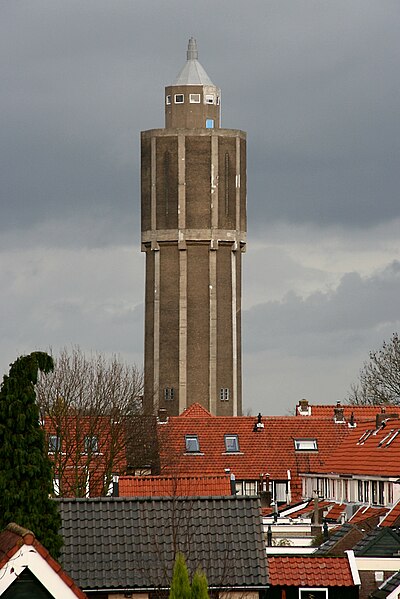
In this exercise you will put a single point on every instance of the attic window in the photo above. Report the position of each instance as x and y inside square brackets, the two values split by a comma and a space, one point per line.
[54, 443]
[179, 98]
[194, 98]
[232, 443]
[192, 444]
[305, 445]
[91, 444]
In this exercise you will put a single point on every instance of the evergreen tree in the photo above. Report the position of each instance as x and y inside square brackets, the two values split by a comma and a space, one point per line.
[25, 470]
[199, 585]
[180, 584]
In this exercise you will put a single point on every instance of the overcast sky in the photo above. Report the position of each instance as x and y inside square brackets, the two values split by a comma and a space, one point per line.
[315, 84]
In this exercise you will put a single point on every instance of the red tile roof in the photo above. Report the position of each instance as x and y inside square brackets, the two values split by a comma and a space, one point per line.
[366, 450]
[13, 537]
[269, 450]
[361, 413]
[196, 410]
[170, 486]
[392, 518]
[307, 571]
[336, 511]
[366, 512]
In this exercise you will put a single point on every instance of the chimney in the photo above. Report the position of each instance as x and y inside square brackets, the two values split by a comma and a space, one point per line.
[380, 418]
[352, 423]
[162, 416]
[303, 408]
[338, 413]
[269, 536]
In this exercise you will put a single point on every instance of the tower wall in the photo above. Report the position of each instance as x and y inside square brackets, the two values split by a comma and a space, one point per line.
[193, 233]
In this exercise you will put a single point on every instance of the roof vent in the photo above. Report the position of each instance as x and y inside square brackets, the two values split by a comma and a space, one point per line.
[352, 423]
[259, 425]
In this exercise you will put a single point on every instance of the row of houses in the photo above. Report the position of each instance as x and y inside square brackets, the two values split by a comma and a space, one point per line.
[249, 499]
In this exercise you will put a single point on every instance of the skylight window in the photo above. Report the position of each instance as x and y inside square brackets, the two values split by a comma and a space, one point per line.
[392, 438]
[232, 443]
[305, 444]
[364, 437]
[192, 444]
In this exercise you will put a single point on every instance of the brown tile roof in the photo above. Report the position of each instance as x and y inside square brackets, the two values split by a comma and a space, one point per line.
[366, 450]
[178, 486]
[392, 518]
[307, 571]
[269, 450]
[366, 512]
[13, 537]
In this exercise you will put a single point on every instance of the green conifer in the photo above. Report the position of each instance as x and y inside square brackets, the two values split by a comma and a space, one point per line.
[25, 469]
[199, 585]
[180, 584]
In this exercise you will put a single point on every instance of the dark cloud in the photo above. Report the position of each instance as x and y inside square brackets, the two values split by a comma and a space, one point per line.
[315, 85]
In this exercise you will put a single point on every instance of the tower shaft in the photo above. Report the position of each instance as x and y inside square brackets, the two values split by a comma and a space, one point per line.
[193, 234]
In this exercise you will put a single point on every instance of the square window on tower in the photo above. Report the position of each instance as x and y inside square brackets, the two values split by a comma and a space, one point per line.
[194, 98]
[179, 98]
[210, 98]
[210, 124]
[169, 393]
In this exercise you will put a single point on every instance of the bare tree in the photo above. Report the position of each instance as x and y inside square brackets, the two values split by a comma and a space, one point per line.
[86, 404]
[379, 379]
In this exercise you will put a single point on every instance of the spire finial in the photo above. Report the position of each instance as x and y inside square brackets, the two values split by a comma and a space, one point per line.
[192, 53]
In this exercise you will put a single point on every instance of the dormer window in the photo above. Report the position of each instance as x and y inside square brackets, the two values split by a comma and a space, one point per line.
[194, 98]
[306, 445]
[179, 98]
[210, 98]
[168, 100]
[192, 444]
[232, 443]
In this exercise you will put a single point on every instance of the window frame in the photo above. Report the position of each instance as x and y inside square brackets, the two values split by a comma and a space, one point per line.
[179, 96]
[54, 447]
[93, 448]
[304, 441]
[168, 99]
[209, 99]
[192, 100]
[169, 393]
[192, 439]
[224, 394]
[227, 439]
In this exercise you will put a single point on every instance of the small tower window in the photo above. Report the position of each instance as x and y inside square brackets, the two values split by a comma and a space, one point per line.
[168, 100]
[218, 100]
[179, 98]
[224, 394]
[210, 98]
[194, 98]
[169, 393]
[209, 123]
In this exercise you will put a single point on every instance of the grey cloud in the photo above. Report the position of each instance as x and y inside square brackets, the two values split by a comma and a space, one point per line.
[326, 322]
